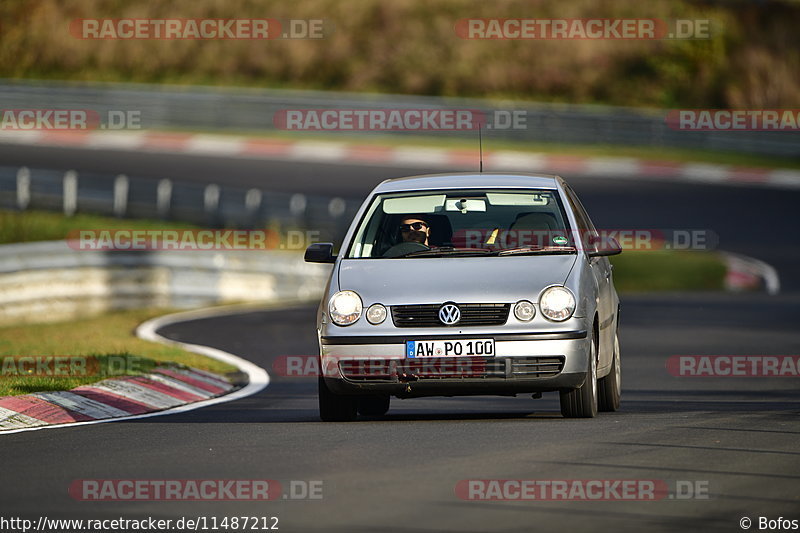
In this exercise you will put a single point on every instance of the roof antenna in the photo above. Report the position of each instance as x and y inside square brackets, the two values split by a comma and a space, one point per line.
[480, 149]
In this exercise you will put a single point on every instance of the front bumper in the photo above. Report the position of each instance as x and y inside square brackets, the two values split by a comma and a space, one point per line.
[523, 363]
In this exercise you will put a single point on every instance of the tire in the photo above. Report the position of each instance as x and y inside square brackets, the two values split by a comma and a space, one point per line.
[335, 407]
[582, 402]
[373, 405]
[609, 388]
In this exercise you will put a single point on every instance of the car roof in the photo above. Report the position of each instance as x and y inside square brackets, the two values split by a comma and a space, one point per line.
[505, 180]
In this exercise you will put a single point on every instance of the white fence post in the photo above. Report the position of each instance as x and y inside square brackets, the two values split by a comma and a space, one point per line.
[23, 188]
[252, 201]
[336, 207]
[120, 195]
[297, 204]
[163, 197]
[211, 198]
[70, 192]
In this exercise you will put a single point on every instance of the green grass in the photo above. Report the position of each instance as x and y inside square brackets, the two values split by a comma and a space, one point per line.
[39, 225]
[107, 340]
[36, 225]
[643, 271]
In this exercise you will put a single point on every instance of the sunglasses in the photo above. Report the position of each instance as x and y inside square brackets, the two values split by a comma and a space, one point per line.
[416, 226]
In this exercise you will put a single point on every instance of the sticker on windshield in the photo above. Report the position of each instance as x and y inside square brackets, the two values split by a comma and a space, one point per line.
[559, 240]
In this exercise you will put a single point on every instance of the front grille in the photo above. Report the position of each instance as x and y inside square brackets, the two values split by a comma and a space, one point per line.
[427, 315]
[428, 368]
[536, 367]
[423, 368]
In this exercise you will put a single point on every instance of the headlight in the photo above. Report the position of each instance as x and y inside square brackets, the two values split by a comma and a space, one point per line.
[557, 303]
[524, 311]
[376, 314]
[345, 308]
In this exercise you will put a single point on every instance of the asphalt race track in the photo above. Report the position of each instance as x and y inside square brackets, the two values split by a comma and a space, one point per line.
[735, 438]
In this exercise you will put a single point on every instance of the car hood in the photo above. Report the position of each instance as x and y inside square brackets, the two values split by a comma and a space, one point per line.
[460, 279]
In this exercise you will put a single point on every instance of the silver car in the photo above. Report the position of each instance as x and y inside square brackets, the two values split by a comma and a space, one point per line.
[467, 284]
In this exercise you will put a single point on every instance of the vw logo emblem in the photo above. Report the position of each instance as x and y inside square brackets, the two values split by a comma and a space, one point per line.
[449, 314]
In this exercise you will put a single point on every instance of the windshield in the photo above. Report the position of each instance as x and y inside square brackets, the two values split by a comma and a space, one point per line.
[470, 222]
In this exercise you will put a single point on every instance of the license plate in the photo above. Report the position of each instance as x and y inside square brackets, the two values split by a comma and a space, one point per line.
[453, 348]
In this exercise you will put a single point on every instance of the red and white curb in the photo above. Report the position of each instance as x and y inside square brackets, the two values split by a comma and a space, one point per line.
[750, 274]
[166, 390]
[407, 156]
[111, 398]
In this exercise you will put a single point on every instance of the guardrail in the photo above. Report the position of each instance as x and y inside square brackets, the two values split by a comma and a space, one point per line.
[209, 205]
[208, 108]
[47, 281]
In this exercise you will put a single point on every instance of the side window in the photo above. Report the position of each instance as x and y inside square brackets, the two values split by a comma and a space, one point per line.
[588, 233]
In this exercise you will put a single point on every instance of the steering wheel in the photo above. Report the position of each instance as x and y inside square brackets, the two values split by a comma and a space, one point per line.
[404, 248]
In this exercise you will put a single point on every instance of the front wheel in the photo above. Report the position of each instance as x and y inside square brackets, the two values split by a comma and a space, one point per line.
[582, 402]
[335, 407]
[610, 387]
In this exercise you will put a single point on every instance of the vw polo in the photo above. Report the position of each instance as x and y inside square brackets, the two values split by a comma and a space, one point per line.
[469, 284]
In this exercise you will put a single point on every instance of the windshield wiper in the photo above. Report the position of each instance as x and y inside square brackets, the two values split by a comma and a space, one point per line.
[448, 250]
[536, 250]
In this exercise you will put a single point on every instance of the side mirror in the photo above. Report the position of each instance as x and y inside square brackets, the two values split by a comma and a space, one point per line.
[320, 252]
[605, 247]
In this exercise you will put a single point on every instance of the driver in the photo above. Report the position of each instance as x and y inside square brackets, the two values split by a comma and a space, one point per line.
[414, 229]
